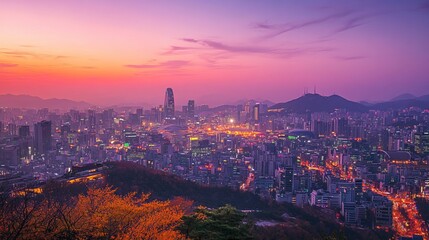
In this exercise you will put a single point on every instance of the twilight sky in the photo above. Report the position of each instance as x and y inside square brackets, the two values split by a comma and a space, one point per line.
[109, 52]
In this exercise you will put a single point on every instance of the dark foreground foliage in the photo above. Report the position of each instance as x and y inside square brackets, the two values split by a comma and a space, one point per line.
[305, 223]
[134, 202]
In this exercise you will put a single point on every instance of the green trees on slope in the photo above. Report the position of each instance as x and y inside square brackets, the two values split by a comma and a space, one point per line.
[221, 223]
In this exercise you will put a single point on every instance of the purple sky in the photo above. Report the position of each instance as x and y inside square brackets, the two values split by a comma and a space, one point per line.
[109, 52]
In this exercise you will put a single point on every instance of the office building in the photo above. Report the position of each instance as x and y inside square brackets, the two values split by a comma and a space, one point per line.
[256, 112]
[169, 104]
[24, 131]
[42, 137]
[191, 108]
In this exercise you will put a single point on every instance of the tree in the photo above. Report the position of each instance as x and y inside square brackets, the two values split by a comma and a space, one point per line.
[98, 214]
[222, 223]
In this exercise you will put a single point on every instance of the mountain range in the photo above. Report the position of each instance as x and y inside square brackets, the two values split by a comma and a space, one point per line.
[31, 102]
[405, 96]
[319, 103]
[306, 103]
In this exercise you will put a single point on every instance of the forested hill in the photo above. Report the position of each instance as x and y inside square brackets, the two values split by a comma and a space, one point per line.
[304, 222]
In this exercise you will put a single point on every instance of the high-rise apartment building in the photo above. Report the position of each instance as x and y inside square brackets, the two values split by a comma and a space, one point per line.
[42, 137]
[191, 108]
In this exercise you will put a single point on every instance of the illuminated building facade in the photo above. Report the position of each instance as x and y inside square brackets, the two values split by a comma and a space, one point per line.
[169, 104]
[256, 112]
[421, 141]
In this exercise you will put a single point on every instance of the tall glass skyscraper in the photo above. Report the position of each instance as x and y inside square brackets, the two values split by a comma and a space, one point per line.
[169, 104]
[42, 137]
[191, 108]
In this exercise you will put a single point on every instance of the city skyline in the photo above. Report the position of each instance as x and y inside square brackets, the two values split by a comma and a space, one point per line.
[365, 167]
[130, 52]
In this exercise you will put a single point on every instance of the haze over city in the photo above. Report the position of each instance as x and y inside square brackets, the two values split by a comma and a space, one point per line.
[213, 51]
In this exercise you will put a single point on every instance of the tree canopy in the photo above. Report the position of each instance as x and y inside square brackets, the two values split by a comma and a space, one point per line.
[221, 223]
[98, 214]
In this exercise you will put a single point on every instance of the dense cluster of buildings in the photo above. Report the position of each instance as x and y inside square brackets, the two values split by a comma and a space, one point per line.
[357, 165]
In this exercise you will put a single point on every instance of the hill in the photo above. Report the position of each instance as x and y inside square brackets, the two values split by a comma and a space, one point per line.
[305, 223]
[408, 96]
[318, 103]
[404, 96]
[401, 104]
[125, 189]
[32, 102]
[424, 98]
[128, 177]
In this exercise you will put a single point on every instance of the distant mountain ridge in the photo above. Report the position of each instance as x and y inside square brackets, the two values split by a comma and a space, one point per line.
[403, 101]
[424, 98]
[318, 103]
[32, 102]
[401, 104]
[252, 102]
[306, 103]
[408, 96]
[405, 96]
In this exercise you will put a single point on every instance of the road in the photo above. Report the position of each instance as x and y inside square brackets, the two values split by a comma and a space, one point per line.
[407, 221]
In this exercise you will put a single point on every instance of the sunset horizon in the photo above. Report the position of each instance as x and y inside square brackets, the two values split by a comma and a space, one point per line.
[131, 51]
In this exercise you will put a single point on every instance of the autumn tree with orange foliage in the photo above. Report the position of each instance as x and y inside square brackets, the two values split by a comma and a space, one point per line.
[98, 214]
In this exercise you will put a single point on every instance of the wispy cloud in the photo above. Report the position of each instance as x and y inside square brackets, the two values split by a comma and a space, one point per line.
[26, 54]
[61, 57]
[5, 65]
[177, 50]
[190, 40]
[264, 26]
[355, 21]
[211, 51]
[206, 44]
[18, 53]
[166, 64]
[214, 57]
[347, 19]
[27, 46]
[350, 58]
[350, 23]
[235, 48]
[279, 29]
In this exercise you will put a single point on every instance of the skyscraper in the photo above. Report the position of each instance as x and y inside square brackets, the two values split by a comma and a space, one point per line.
[256, 112]
[24, 131]
[421, 141]
[239, 110]
[287, 179]
[107, 117]
[139, 112]
[11, 127]
[25, 140]
[42, 137]
[191, 108]
[91, 120]
[169, 104]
